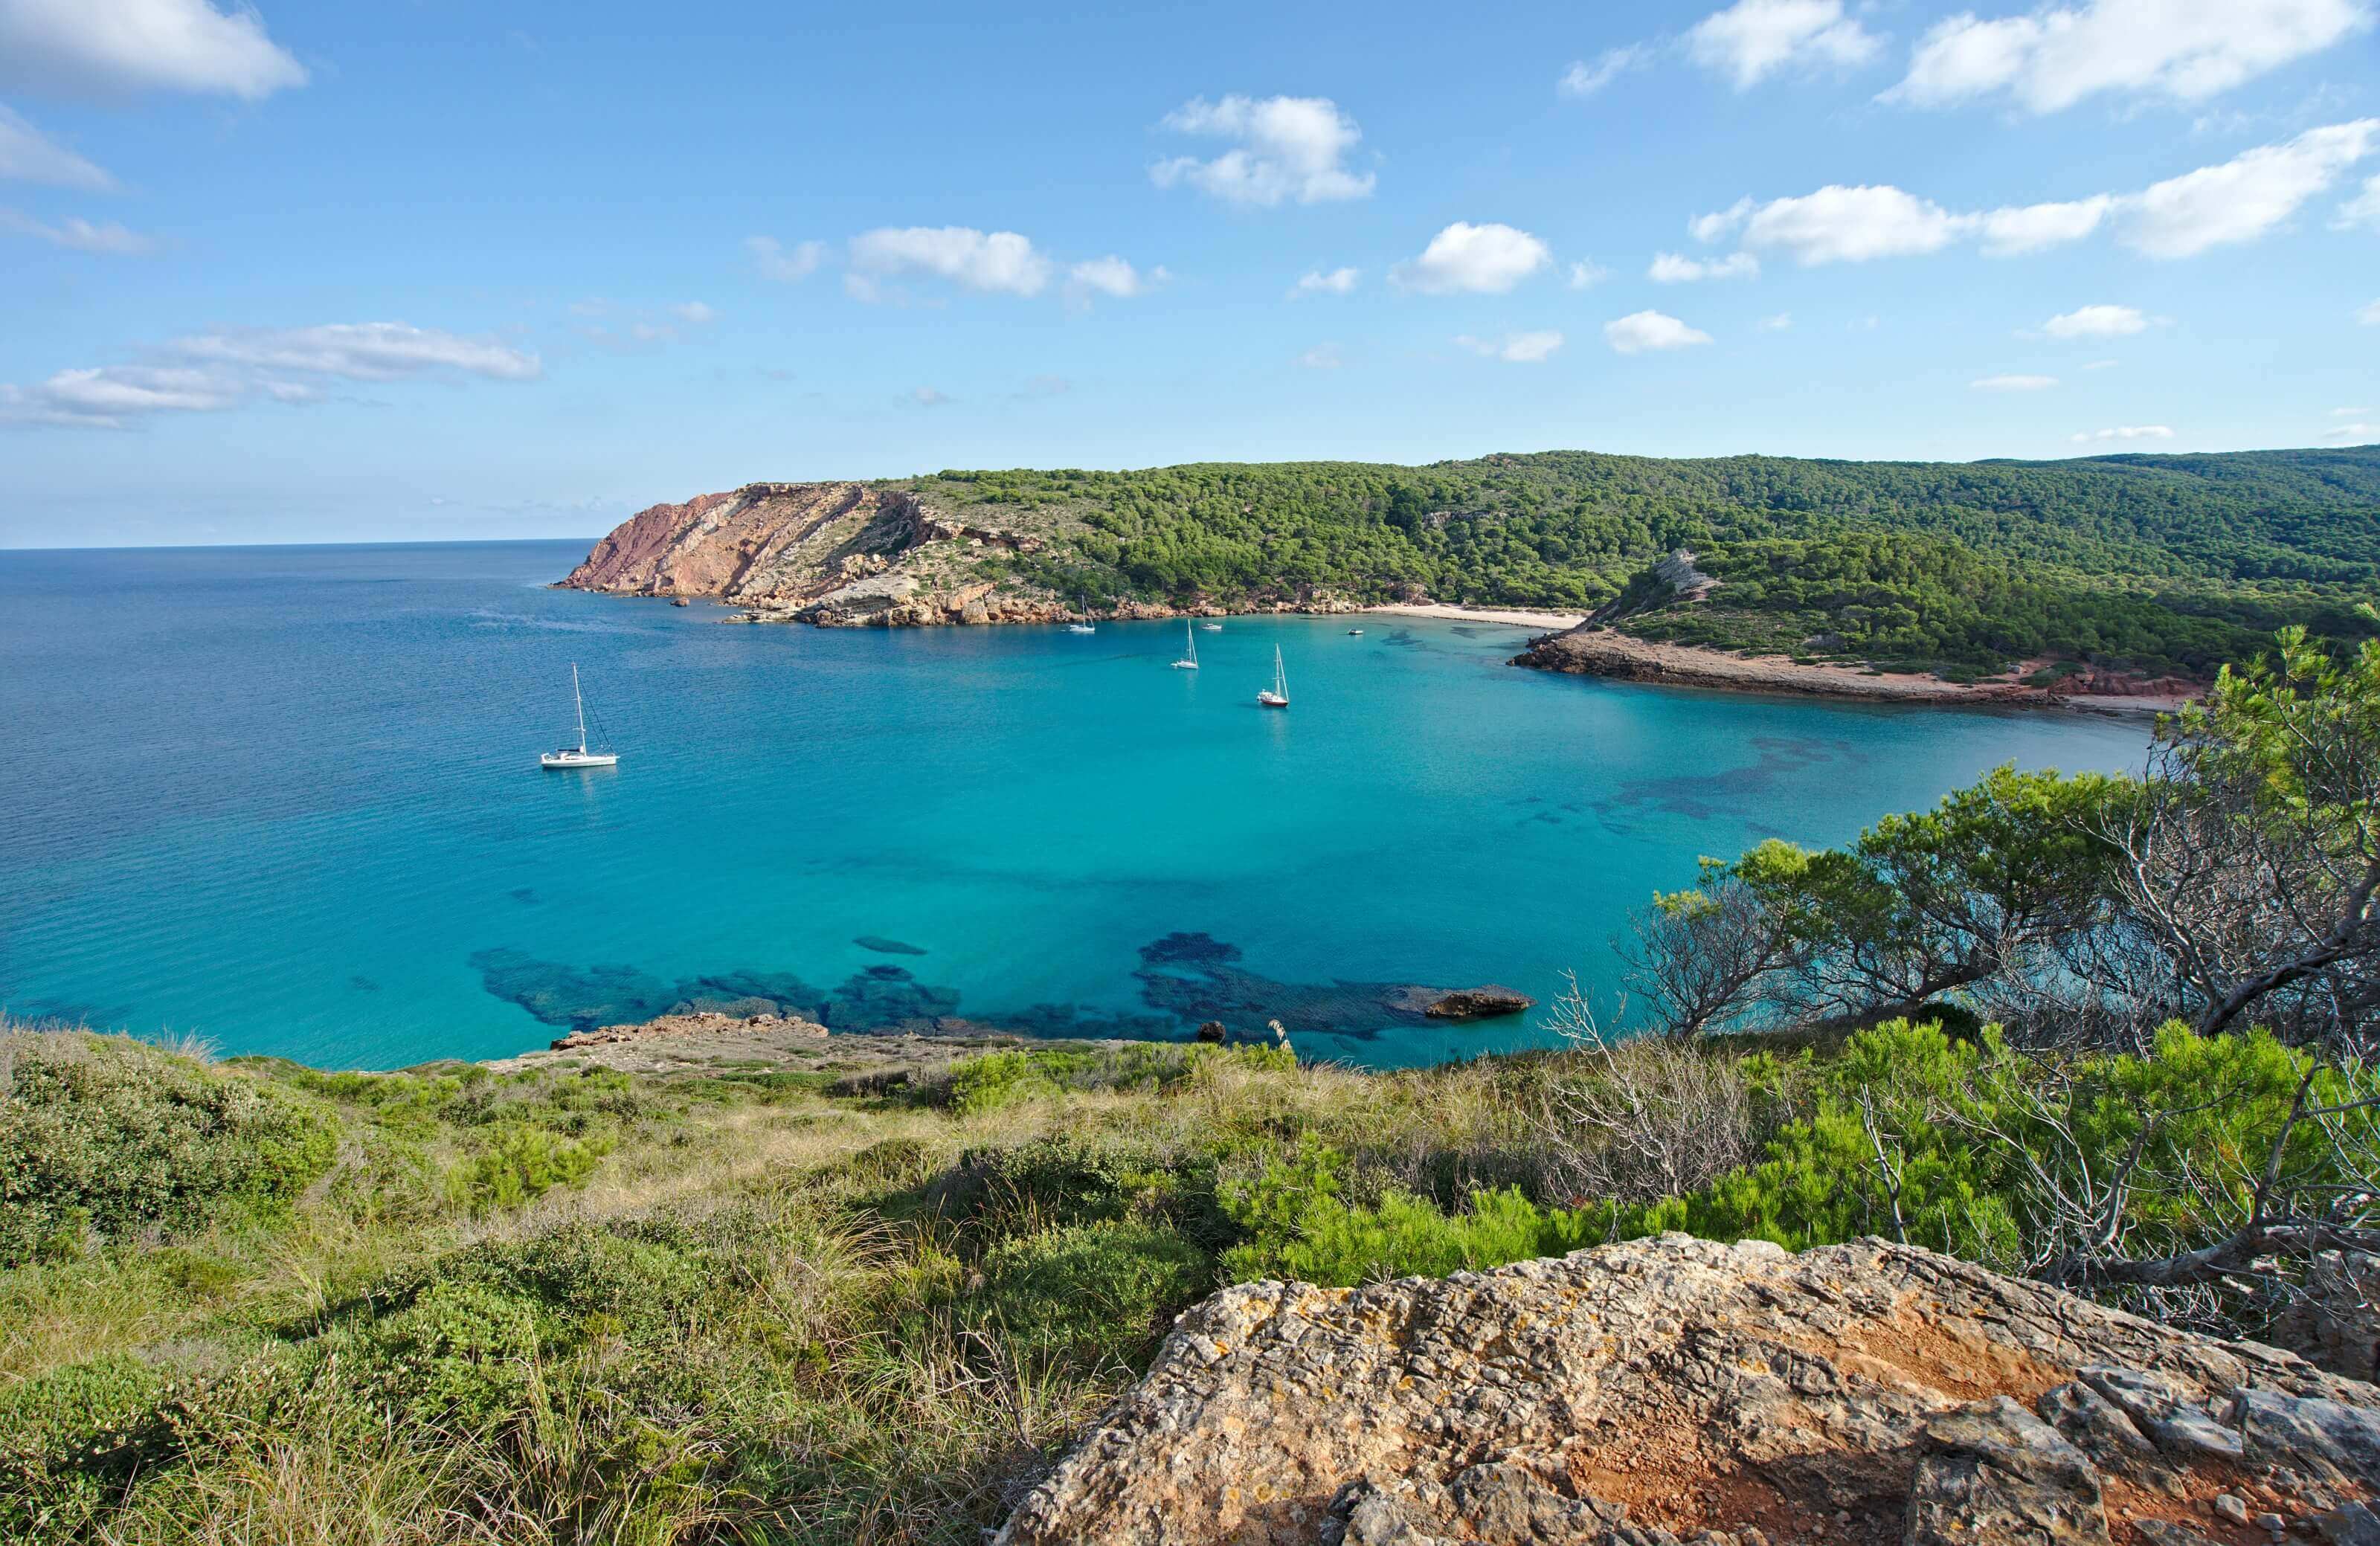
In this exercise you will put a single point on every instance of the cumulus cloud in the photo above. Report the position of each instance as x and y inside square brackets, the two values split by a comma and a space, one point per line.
[1322, 356]
[2013, 383]
[998, 262]
[2015, 231]
[786, 265]
[1477, 259]
[79, 236]
[1642, 331]
[209, 372]
[1338, 282]
[2096, 321]
[1514, 348]
[2363, 210]
[2237, 200]
[108, 46]
[1840, 224]
[2246, 196]
[1110, 276]
[1755, 38]
[1584, 79]
[1585, 275]
[2054, 57]
[2124, 432]
[1288, 149]
[29, 156]
[1670, 268]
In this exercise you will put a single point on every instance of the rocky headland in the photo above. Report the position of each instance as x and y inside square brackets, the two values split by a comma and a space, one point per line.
[1676, 1390]
[846, 555]
[1595, 648]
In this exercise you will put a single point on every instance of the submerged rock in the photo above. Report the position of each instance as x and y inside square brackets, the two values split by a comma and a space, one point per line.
[1478, 1003]
[1677, 1390]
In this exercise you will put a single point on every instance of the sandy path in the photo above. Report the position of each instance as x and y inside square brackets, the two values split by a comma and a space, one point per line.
[1519, 617]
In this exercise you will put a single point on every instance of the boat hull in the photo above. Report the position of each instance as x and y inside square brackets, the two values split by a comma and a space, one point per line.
[563, 761]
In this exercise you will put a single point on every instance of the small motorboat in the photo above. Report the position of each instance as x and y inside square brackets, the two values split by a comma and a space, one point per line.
[1354, 633]
[1211, 628]
[578, 755]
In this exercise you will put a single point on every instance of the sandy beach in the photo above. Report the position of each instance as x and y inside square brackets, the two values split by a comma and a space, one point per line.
[1517, 617]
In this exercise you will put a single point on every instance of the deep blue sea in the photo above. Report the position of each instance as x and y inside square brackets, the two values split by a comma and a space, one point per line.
[288, 799]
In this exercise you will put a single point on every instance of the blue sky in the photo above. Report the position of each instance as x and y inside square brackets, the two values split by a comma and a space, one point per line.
[330, 271]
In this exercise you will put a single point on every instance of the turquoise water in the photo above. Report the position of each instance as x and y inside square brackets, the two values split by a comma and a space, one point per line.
[288, 799]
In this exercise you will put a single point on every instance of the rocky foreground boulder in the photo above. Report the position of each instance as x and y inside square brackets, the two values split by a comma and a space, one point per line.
[1675, 1390]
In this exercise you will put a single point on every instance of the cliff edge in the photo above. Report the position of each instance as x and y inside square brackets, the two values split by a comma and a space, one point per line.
[1676, 1390]
[829, 553]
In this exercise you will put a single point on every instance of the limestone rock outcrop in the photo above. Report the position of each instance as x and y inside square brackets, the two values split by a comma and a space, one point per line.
[1676, 1390]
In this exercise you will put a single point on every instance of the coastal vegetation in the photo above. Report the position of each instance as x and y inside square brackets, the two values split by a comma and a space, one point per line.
[2111, 1033]
[2152, 564]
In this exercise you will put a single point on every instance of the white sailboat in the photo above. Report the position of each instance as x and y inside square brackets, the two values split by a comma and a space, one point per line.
[1211, 628]
[578, 755]
[1277, 695]
[1189, 661]
[1082, 624]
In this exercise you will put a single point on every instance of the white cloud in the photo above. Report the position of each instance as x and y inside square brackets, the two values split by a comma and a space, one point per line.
[29, 156]
[120, 45]
[1000, 262]
[2096, 321]
[210, 372]
[1584, 275]
[2099, 364]
[783, 264]
[2363, 210]
[1753, 39]
[1322, 356]
[2235, 201]
[2246, 196]
[2347, 413]
[928, 397]
[1641, 331]
[1670, 268]
[2013, 383]
[1480, 260]
[693, 313]
[1290, 148]
[1839, 225]
[2124, 432]
[2370, 315]
[2018, 230]
[1112, 276]
[2188, 50]
[1338, 282]
[1720, 222]
[361, 352]
[1514, 348]
[1778, 323]
[1583, 79]
[2354, 432]
[79, 235]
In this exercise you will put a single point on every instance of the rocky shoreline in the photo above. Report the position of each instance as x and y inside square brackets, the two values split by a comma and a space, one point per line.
[1591, 650]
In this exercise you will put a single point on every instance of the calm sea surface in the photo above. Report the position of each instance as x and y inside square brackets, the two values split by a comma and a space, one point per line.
[288, 799]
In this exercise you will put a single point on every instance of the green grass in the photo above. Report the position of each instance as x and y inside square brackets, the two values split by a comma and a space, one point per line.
[585, 1306]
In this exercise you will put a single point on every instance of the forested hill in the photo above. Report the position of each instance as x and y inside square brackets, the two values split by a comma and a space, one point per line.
[2156, 562]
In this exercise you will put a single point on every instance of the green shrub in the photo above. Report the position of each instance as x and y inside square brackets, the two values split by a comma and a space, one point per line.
[109, 1135]
[996, 1080]
[1092, 1294]
[517, 1164]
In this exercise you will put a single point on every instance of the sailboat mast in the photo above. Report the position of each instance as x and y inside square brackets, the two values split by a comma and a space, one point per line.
[580, 702]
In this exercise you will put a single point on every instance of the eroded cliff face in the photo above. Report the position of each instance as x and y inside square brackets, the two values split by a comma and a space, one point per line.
[1676, 1390]
[830, 554]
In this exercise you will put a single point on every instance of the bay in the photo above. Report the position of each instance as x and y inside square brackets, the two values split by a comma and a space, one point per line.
[287, 800]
